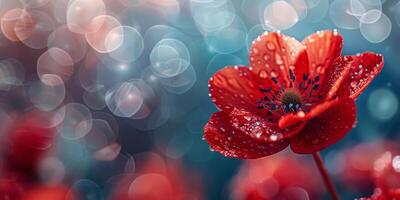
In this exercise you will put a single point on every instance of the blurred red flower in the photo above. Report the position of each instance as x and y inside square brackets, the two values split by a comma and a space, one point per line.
[387, 177]
[58, 192]
[157, 179]
[355, 169]
[26, 142]
[27, 139]
[297, 93]
[274, 178]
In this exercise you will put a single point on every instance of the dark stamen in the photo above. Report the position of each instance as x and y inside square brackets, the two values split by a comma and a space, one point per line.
[292, 76]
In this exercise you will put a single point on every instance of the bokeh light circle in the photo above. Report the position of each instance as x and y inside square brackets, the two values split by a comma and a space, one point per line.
[33, 28]
[34, 3]
[8, 22]
[12, 73]
[280, 15]
[100, 135]
[124, 99]
[76, 123]
[377, 31]
[55, 61]
[72, 43]
[220, 61]
[129, 43]
[80, 14]
[47, 93]
[383, 104]
[85, 189]
[169, 57]
[340, 15]
[105, 39]
[212, 15]
[230, 39]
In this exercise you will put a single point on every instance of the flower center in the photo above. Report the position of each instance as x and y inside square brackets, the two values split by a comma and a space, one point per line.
[291, 100]
[295, 97]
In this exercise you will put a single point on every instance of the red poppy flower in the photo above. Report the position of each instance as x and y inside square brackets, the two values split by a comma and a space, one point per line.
[274, 178]
[297, 93]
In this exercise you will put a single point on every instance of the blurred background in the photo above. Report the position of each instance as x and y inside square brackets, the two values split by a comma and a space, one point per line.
[107, 99]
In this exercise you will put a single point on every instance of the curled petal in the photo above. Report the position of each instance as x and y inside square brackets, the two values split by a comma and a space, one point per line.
[275, 56]
[323, 48]
[236, 87]
[335, 77]
[326, 129]
[292, 119]
[232, 142]
[259, 129]
[364, 68]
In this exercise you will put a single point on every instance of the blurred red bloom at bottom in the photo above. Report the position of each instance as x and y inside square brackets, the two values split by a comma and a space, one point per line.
[355, 170]
[49, 193]
[158, 180]
[27, 140]
[279, 177]
[387, 177]
[10, 189]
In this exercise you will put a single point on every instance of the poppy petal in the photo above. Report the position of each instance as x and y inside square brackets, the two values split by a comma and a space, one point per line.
[231, 142]
[364, 68]
[294, 118]
[236, 87]
[326, 129]
[259, 129]
[335, 77]
[323, 48]
[275, 56]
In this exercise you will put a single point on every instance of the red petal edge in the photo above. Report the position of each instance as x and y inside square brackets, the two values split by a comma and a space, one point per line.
[235, 87]
[323, 47]
[231, 142]
[259, 129]
[335, 77]
[273, 54]
[364, 68]
[326, 129]
[292, 119]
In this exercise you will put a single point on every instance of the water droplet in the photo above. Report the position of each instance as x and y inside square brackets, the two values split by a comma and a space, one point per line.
[278, 59]
[273, 137]
[255, 50]
[270, 46]
[274, 74]
[263, 74]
